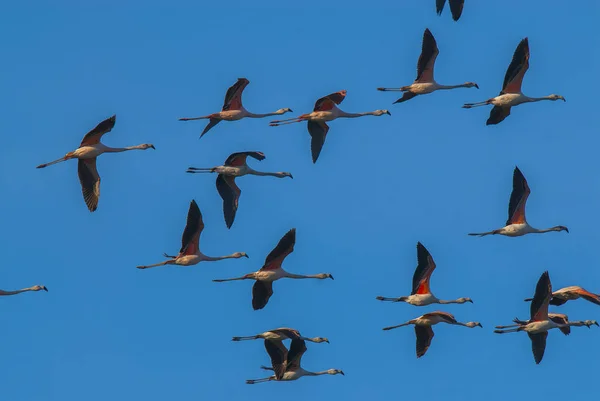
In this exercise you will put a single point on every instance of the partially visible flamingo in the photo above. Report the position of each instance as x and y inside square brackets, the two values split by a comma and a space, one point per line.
[235, 166]
[511, 94]
[232, 108]
[563, 295]
[423, 329]
[272, 271]
[89, 149]
[286, 365]
[540, 322]
[456, 7]
[34, 288]
[421, 293]
[280, 334]
[325, 110]
[517, 225]
[190, 254]
[425, 83]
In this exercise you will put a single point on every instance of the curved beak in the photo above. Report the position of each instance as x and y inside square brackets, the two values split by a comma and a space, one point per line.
[480, 325]
[291, 176]
[290, 110]
[388, 113]
[45, 289]
[331, 277]
[246, 255]
[342, 373]
[152, 146]
[477, 86]
[470, 300]
[596, 323]
[563, 99]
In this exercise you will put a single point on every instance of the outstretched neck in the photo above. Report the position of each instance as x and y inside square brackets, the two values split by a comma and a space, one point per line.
[324, 372]
[275, 113]
[539, 99]
[264, 174]
[214, 259]
[452, 301]
[354, 115]
[116, 150]
[545, 230]
[452, 86]
[292, 275]
[15, 292]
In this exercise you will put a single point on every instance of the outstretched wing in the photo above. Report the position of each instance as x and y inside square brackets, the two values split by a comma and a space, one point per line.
[297, 349]
[424, 335]
[239, 158]
[425, 267]
[456, 8]
[439, 6]
[233, 97]
[429, 52]
[278, 354]
[287, 332]
[447, 317]
[211, 123]
[538, 345]
[560, 319]
[284, 247]
[93, 137]
[261, 292]
[190, 240]
[588, 296]
[230, 193]
[318, 133]
[498, 114]
[90, 182]
[326, 103]
[518, 199]
[541, 299]
[517, 68]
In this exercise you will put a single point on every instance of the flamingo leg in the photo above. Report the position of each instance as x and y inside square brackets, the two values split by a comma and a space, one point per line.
[471, 105]
[266, 379]
[395, 327]
[231, 279]
[277, 123]
[62, 159]
[507, 331]
[194, 118]
[508, 327]
[245, 338]
[196, 170]
[166, 262]
[380, 298]
[266, 368]
[391, 89]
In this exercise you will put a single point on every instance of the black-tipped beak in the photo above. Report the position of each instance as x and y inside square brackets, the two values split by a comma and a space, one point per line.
[596, 323]
[290, 110]
[246, 255]
[331, 277]
[342, 373]
[388, 113]
[152, 146]
[566, 229]
[480, 325]
[45, 289]
[477, 86]
[291, 176]
[380, 89]
[563, 99]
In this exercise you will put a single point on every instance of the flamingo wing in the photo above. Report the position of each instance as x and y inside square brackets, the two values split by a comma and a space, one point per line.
[425, 267]
[560, 318]
[439, 6]
[230, 193]
[327, 103]
[429, 52]
[93, 137]
[538, 345]
[211, 123]
[239, 158]
[233, 97]
[589, 296]
[284, 247]
[447, 317]
[278, 354]
[287, 332]
[541, 299]
[190, 240]
[498, 114]
[318, 133]
[518, 199]
[297, 349]
[90, 182]
[456, 8]
[517, 68]
[557, 301]
[261, 292]
[424, 336]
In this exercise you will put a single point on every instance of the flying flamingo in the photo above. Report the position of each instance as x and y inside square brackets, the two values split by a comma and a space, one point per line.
[232, 108]
[272, 271]
[425, 83]
[89, 149]
[537, 327]
[325, 110]
[235, 166]
[517, 225]
[456, 7]
[281, 334]
[423, 329]
[190, 254]
[563, 295]
[558, 318]
[286, 365]
[421, 294]
[34, 288]
[511, 94]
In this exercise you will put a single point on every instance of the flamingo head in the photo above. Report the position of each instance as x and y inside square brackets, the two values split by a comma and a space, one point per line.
[556, 97]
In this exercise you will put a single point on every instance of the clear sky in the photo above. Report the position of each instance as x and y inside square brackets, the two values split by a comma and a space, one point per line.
[432, 172]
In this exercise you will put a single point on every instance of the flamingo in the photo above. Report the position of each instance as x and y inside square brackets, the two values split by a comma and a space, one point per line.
[563, 295]
[511, 94]
[456, 7]
[232, 108]
[421, 294]
[281, 334]
[425, 83]
[286, 365]
[517, 225]
[537, 327]
[558, 318]
[235, 166]
[423, 329]
[34, 288]
[190, 254]
[325, 110]
[272, 271]
[87, 152]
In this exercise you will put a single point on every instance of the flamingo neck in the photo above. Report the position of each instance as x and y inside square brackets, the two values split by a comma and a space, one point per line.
[253, 115]
[15, 292]
[214, 259]
[354, 115]
[292, 275]
[264, 174]
[108, 149]
[451, 86]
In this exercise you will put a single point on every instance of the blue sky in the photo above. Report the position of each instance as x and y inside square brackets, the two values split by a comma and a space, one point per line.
[432, 172]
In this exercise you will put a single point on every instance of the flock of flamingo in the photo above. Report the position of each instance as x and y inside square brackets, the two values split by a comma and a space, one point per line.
[285, 363]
